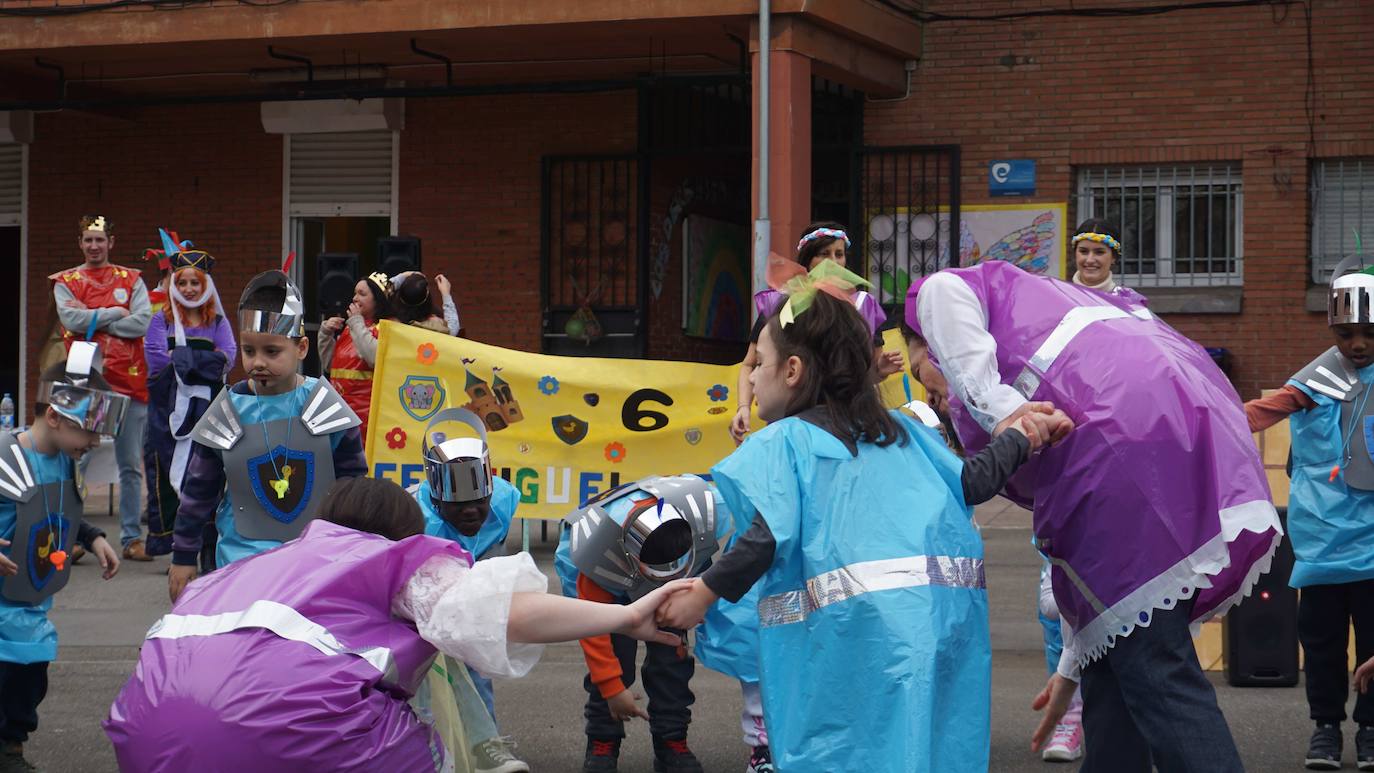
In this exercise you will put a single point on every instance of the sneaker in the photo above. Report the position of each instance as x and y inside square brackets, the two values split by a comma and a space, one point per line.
[1324, 750]
[12, 760]
[1364, 747]
[78, 553]
[494, 756]
[603, 755]
[1066, 745]
[761, 761]
[674, 757]
[134, 552]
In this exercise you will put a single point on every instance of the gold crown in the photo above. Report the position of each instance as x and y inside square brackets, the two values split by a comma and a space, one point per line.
[381, 280]
[97, 223]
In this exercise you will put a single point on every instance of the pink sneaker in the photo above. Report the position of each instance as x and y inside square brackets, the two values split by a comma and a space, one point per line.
[1066, 745]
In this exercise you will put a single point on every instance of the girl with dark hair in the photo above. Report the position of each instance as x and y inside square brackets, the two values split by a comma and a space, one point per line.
[857, 528]
[348, 359]
[304, 657]
[1096, 251]
[824, 240]
[415, 304]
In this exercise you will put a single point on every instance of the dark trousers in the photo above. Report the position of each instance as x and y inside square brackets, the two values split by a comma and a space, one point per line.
[1325, 613]
[667, 683]
[22, 687]
[1147, 703]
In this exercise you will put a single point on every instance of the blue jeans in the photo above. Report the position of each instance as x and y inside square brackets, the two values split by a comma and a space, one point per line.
[1147, 703]
[129, 457]
[483, 686]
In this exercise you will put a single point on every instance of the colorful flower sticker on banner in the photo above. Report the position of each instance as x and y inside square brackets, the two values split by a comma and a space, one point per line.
[615, 453]
[718, 393]
[396, 439]
[427, 353]
[548, 385]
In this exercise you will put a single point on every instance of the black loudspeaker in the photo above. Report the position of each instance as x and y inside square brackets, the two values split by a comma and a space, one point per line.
[398, 254]
[337, 274]
[1260, 635]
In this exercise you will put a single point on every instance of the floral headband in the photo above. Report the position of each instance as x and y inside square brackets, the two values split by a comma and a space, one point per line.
[1106, 239]
[800, 286]
[824, 233]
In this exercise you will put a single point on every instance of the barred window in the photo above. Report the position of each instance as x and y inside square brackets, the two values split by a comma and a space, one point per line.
[1342, 206]
[1181, 226]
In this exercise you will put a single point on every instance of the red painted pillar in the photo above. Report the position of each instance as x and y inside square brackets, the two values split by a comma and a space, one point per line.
[789, 200]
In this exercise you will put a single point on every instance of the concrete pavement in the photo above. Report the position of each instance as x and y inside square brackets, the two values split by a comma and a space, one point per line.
[101, 625]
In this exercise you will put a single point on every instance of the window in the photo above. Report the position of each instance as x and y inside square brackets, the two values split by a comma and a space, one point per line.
[1342, 206]
[1181, 226]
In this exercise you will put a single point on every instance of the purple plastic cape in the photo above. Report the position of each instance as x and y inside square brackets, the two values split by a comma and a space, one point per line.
[287, 661]
[1158, 494]
[766, 302]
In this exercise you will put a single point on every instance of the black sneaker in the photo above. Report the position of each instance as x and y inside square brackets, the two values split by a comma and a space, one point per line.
[603, 755]
[1364, 747]
[674, 757]
[12, 760]
[761, 761]
[1324, 750]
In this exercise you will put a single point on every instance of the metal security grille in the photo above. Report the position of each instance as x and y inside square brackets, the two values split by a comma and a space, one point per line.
[1181, 226]
[697, 115]
[1342, 206]
[339, 174]
[906, 216]
[590, 242]
[11, 183]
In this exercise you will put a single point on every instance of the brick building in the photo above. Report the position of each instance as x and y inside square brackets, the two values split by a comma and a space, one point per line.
[551, 155]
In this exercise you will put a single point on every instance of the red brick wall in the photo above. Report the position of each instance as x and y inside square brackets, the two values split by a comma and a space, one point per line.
[1190, 86]
[210, 173]
[470, 188]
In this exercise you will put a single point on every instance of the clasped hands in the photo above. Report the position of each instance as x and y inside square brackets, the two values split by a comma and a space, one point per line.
[1041, 423]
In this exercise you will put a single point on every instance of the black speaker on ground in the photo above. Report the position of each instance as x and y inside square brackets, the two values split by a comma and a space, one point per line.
[337, 273]
[398, 254]
[1260, 635]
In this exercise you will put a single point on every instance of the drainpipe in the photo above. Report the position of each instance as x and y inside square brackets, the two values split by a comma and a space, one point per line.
[762, 235]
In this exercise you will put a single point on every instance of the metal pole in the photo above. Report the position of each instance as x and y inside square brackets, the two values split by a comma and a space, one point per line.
[762, 237]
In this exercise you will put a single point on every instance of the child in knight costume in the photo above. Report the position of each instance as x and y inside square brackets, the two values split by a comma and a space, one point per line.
[190, 348]
[462, 501]
[40, 525]
[268, 449]
[1331, 511]
[617, 547]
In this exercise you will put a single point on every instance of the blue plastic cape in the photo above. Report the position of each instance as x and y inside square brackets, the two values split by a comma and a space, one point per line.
[504, 501]
[728, 638]
[1328, 521]
[26, 634]
[874, 648]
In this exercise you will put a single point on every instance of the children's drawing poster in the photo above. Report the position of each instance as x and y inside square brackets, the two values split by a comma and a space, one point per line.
[560, 429]
[904, 244]
[715, 279]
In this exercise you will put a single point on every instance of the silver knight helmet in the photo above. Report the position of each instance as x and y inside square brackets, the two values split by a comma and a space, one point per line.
[638, 536]
[1352, 293]
[458, 468]
[271, 303]
[76, 397]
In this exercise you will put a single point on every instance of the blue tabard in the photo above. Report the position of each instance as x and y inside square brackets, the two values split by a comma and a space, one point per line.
[26, 634]
[873, 619]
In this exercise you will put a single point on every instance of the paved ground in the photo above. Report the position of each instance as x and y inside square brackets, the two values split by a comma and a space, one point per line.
[101, 625]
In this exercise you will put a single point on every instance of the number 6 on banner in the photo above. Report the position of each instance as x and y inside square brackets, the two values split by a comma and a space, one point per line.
[633, 416]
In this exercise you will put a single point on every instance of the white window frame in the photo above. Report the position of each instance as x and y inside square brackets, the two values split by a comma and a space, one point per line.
[1354, 177]
[1165, 180]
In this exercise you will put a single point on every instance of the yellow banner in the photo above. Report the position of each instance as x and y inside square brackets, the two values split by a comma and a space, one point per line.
[561, 429]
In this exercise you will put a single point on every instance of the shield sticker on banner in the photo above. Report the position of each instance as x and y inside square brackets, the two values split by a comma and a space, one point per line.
[282, 480]
[42, 542]
[570, 429]
[422, 396]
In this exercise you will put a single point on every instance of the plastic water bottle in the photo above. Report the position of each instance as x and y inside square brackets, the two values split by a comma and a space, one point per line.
[7, 413]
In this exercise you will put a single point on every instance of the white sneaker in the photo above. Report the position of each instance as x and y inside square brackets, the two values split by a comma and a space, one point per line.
[494, 756]
[1066, 745]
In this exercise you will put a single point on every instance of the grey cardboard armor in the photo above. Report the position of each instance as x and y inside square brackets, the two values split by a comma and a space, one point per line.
[597, 549]
[274, 496]
[1330, 375]
[33, 542]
